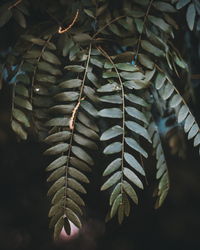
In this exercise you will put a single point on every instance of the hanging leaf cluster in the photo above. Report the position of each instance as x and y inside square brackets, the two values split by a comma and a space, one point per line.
[86, 85]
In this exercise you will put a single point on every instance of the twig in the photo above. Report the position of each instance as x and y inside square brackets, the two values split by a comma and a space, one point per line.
[15, 4]
[61, 30]
[72, 118]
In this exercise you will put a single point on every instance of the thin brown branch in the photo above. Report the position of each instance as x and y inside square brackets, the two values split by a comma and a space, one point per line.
[61, 30]
[15, 4]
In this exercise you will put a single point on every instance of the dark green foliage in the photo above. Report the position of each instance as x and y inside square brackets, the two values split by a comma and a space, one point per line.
[103, 67]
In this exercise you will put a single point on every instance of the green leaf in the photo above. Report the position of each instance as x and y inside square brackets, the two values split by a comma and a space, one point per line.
[116, 99]
[69, 84]
[85, 142]
[58, 122]
[67, 96]
[136, 99]
[133, 163]
[67, 226]
[78, 175]
[111, 113]
[146, 61]
[59, 162]
[197, 140]
[73, 217]
[79, 164]
[58, 228]
[130, 191]
[90, 93]
[110, 87]
[133, 178]
[138, 129]
[134, 145]
[89, 13]
[17, 128]
[193, 131]
[5, 15]
[50, 57]
[72, 183]
[21, 90]
[86, 131]
[87, 121]
[75, 197]
[24, 103]
[160, 23]
[111, 133]
[75, 68]
[152, 49]
[21, 117]
[135, 113]
[181, 3]
[57, 174]
[113, 148]
[132, 76]
[56, 186]
[81, 154]
[115, 205]
[57, 149]
[136, 84]
[110, 74]
[58, 137]
[164, 7]
[89, 108]
[168, 91]
[112, 180]
[73, 206]
[112, 167]
[189, 122]
[191, 15]
[126, 67]
[175, 101]
[115, 193]
[182, 113]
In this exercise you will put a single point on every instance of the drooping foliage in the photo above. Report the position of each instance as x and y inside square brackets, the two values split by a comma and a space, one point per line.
[86, 79]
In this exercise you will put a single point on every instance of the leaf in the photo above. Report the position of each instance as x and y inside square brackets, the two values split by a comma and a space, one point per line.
[168, 91]
[21, 90]
[152, 49]
[58, 228]
[86, 131]
[21, 117]
[75, 197]
[19, 17]
[111, 113]
[59, 162]
[73, 206]
[111, 133]
[189, 122]
[87, 121]
[58, 122]
[57, 174]
[67, 226]
[69, 84]
[17, 128]
[134, 145]
[132, 76]
[110, 74]
[57, 149]
[126, 67]
[90, 93]
[190, 16]
[115, 193]
[197, 140]
[67, 96]
[115, 205]
[175, 101]
[24, 103]
[181, 3]
[85, 142]
[135, 113]
[58, 137]
[112, 167]
[112, 180]
[116, 99]
[113, 148]
[89, 108]
[160, 23]
[50, 57]
[193, 131]
[110, 87]
[5, 16]
[79, 164]
[75, 68]
[134, 163]
[89, 13]
[130, 191]
[138, 129]
[56, 186]
[78, 175]
[136, 99]
[133, 178]
[182, 113]
[73, 217]
[146, 61]
[81, 154]
[164, 7]
[72, 183]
